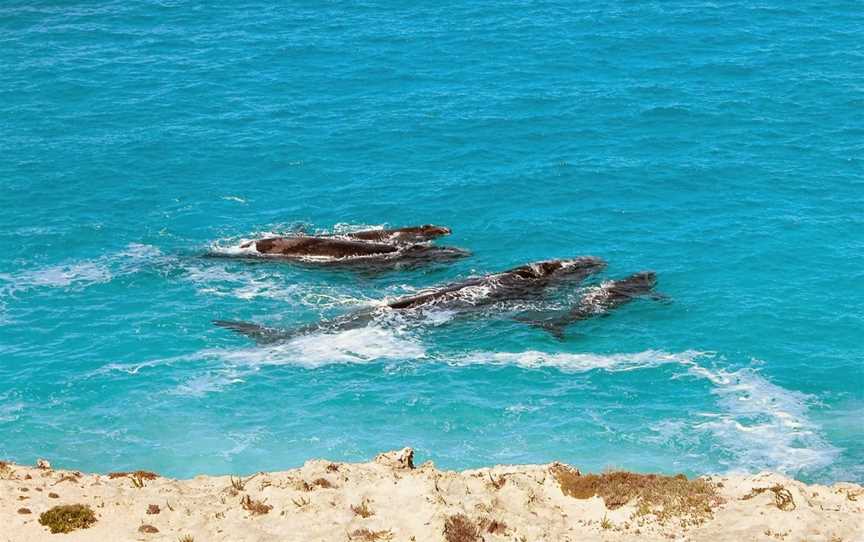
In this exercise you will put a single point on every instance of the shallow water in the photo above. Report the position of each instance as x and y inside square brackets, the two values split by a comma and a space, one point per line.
[718, 144]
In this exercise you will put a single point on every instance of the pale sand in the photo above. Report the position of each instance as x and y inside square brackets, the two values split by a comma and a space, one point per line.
[409, 504]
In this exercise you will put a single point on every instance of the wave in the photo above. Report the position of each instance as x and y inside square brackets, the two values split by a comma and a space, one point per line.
[752, 423]
[363, 345]
[247, 284]
[10, 412]
[762, 425]
[81, 274]
[533, 359]
[210, 382]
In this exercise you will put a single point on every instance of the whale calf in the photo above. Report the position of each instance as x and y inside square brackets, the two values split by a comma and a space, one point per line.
[409, 234]
[520, 283]
[601, 299]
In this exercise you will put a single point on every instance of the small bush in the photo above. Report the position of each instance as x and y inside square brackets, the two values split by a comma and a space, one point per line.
[137, 476]
[782, 496]
[257, 508]
[459, 528]
[147, 529]
[323, 483]
[362, 510]
[365, 535]
[67, 518]
[493, 526]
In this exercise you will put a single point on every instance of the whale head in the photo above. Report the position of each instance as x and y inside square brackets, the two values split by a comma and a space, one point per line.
[560, 268]
[431, 231]
[637, 283]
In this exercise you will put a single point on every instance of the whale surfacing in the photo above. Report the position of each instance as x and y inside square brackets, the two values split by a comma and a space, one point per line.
[322, 247]
[521, 283]
[601, 300]
[410, 234]
[365, 250]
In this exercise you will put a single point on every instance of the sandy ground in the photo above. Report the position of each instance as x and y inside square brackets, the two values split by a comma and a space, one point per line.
[389, 499]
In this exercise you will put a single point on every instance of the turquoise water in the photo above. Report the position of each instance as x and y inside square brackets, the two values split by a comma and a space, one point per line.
[716, 143]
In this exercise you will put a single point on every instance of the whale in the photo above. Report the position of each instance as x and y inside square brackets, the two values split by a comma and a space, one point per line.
[406, 235]
[367, 250]
[600, 300]
[305, 246]
[521, 283]
[348, 244]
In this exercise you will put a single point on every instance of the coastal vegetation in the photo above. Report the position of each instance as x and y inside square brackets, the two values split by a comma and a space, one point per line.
[68, 518]
[665, 497]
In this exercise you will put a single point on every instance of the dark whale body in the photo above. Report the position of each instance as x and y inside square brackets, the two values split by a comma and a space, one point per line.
[410, 234]
[521, 283]
[302, 246]
[367, 250]
[602, 299]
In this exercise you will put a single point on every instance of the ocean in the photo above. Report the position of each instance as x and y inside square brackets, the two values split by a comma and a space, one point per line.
[718, 144]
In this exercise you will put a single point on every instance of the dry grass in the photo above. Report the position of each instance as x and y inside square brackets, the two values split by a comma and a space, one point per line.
[499, 482]
[782, 496]
[365, 535]
[323, 483]
[605, 524]
[143, 474]
[257, 508]
[138, 477]
[68, 518]
[186, 538]
[362, 510]
[459, 528]
[71, 477]
[493, 526]
[665, 497]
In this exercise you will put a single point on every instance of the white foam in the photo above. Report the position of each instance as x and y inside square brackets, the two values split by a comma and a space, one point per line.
[362, 345]
[84, 273]
[135, 368]
[61, 276]
[343, 228]
[243, 246]
[211, 382]
[265, 284]
[242, 441]
[763, 425]
[10, 412]
[578, 363]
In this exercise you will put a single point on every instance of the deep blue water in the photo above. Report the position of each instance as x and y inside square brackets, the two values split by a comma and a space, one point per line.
[720, 144]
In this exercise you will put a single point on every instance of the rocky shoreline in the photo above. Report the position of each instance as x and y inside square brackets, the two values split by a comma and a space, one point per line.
[390, 498]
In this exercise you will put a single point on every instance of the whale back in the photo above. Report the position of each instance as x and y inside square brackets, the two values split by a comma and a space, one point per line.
[411, 234]
[302, 246]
